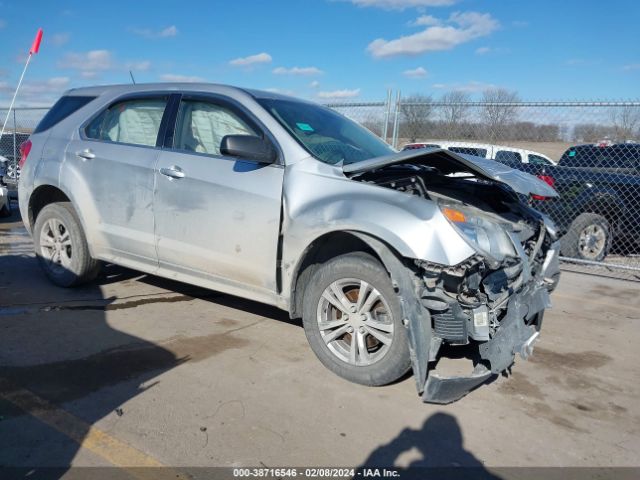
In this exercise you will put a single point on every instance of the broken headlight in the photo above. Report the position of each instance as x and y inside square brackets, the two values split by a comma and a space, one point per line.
[487, 237]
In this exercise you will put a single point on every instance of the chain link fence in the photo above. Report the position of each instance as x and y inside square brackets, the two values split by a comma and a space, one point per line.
[588, 151]
[20, 124]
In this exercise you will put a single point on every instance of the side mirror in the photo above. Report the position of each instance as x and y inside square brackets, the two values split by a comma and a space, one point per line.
[248, 147]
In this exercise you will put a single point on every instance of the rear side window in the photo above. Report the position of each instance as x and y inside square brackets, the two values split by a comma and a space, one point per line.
[478, 152]
[582, 156]
[61, 110]
[538, 160]
[508, 156]
[135, 122]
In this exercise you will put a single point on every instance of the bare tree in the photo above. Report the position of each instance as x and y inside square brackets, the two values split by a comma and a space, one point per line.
[626, 121]
[455, 108]
[416, 111]
[500, 111]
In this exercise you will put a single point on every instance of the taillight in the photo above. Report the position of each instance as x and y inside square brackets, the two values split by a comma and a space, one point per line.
[25, 148]
[549, 180]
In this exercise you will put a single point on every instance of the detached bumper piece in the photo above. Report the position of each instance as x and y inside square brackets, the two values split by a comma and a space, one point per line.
[443, 390]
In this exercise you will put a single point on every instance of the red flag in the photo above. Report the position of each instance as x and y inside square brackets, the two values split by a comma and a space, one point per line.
[35, 46]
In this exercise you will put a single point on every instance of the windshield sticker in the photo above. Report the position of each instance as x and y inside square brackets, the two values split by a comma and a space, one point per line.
[572, 153]
[305, 127]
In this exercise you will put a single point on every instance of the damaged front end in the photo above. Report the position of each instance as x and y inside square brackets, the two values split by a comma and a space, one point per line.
[492, 304]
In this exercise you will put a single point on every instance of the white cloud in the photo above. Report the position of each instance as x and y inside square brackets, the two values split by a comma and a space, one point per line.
[401, 4]
[462, 27]
[426, 21]
[140, 66]
[59, 39]
[3, 23]
[314, 84]
[469, 87]
[91, 61]
[170, 77]
[631, 66]
[482, 50]
[37, 92]
[520, 23]
[90, 64]
[170, 31]
[251, 60]
[340, 94]
[302, 71]
[416, 73]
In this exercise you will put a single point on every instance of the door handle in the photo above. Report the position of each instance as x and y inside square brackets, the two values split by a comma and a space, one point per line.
[172, 172]
[86, 154]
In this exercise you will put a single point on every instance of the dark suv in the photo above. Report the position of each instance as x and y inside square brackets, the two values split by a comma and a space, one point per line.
[599, 200]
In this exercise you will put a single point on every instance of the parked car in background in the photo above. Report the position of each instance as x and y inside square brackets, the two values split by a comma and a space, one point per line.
[499, 153]
[386, 256]
[599, 197]
[9, 154]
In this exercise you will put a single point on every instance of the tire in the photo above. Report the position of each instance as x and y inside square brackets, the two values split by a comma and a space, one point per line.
[378, 363]
[61, 246]
[589, 238]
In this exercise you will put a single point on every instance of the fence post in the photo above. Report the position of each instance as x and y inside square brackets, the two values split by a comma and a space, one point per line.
[396, 121]
[387, 114]
[15, 150]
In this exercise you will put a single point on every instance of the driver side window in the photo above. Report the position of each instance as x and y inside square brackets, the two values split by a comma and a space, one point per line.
[201, 126]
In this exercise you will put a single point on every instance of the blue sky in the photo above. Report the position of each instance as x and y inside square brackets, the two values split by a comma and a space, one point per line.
[329, 50]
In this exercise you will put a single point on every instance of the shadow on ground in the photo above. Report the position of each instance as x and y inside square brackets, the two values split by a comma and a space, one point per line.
[434, 451]
[80, 354]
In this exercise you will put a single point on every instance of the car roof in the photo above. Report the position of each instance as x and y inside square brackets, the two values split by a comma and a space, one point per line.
[178, 87]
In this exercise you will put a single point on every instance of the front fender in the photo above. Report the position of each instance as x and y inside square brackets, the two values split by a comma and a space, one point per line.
[318, 199]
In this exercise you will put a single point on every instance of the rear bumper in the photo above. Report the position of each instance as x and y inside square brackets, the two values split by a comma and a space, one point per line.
[519, 329]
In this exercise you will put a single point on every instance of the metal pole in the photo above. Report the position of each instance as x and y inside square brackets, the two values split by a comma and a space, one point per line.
[15, 149]
[396, 120]
[15, 94]
[387, 114]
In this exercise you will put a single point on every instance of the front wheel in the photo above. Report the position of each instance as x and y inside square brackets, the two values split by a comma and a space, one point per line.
[588, 238]
[61, 246]
[353, 322]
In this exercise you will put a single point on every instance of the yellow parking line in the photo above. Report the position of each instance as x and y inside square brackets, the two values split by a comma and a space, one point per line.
[93, 439]
[595, 302]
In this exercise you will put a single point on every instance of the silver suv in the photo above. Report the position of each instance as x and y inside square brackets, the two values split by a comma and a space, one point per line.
[386, 256]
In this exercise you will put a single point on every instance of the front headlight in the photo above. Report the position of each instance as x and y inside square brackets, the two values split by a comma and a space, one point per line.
[488, 238]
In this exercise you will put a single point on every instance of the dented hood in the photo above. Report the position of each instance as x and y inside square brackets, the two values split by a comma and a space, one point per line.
[448, 163]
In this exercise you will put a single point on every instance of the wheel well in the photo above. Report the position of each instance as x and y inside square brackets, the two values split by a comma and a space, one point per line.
[320, 251]
[43, 196]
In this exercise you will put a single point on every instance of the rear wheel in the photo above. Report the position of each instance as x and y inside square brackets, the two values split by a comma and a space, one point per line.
[61, 246]
[588, 238]
[352, 319]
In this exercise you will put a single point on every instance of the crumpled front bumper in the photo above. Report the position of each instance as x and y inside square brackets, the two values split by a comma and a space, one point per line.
[518, 331]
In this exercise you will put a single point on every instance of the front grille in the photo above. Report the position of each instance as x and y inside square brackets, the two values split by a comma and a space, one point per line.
[450, 328]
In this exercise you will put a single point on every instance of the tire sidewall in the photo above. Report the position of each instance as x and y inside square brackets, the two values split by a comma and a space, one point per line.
[79, 249]
[396, 361]
[571, 247]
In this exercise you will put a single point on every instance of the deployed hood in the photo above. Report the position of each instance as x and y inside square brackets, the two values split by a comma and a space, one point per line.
[448, 163]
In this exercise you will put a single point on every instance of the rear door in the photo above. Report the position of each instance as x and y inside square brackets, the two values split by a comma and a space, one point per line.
[217, 217]
[113, 162]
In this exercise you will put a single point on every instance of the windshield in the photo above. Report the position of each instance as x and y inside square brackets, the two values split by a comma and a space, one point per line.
[327, 135]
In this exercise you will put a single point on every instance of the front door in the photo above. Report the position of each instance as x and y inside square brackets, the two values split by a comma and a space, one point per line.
[217, 217]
